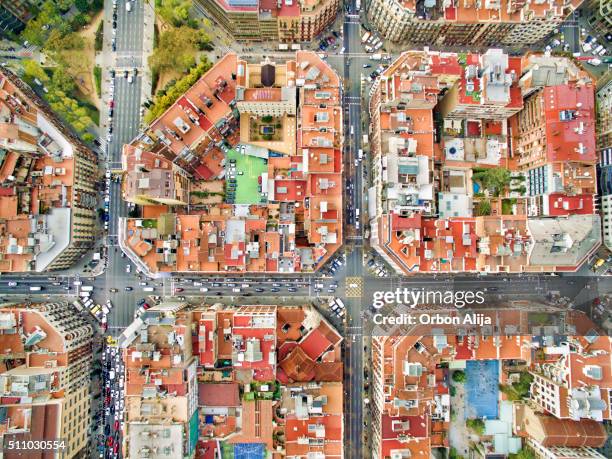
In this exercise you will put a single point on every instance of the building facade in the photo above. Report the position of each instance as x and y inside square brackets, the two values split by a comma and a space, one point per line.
[48, 185]
[45, 379]
[468, 22]
[271, 20]
[430, 209]
[604, 149]
[14, 15]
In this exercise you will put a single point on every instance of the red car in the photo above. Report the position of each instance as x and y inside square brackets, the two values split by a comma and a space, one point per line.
[111, 104]
[116, 425]
[109, 442]
[179, 289]
[146, 306]
[116, 448]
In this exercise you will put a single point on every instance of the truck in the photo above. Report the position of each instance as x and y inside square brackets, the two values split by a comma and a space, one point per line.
[360, 154]
[376, 57]
[365, 37]
[148, 289]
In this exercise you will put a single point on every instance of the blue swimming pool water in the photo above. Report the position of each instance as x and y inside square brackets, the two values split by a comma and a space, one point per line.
[249, 451]
[482, 389]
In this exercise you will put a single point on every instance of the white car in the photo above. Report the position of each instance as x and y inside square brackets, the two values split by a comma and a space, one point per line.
[128, 268]
[203, 289]
[12, 284]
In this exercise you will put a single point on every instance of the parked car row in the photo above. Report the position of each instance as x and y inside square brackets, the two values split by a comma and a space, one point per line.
[113, 381]
[337, 307]
[378, 268]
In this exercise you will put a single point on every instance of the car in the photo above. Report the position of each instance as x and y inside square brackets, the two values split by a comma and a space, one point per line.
[366, 66]
[179, 289]
[130, 79]
[116, 447]
[12, 284]
[128, 6]
[128, 289]
[125, 74]
[128, 268]
[292, 289]
[203, 289]
[259, 290]
[275, 289]
[107, 430]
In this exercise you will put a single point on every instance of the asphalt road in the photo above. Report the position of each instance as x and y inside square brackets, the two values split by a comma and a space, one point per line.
[353, 355]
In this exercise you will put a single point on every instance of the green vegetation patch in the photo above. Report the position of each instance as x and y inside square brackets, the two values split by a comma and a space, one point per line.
[246, 186]
[165, 98]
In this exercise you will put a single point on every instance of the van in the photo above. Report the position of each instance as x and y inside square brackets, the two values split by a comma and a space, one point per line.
[128, 6]
[148, 289]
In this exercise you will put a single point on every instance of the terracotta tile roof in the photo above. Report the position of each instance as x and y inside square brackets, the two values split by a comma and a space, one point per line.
[218, 394]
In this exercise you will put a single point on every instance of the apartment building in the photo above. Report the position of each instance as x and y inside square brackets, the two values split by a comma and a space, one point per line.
[553, 438]
[562, 415]
[599, 16]
[48, 196]
[271, 128]
[256, 379]
[272, 20]
[604, 149]
[45, 381]
[160, 384]
[151, 179]
[411, 374]
[15, 15]
[430, 206]
[517, 23]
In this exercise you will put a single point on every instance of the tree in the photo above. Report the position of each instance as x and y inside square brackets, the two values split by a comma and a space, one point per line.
[477, 425]
[88, 137]
[177, 49]
[459, 376]
[483, 208]
[175, 12]
[34, 70]
[170, 94]
[525, 453]
[62, 81]
[495, 180]
[82, 5]
[49, 19]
